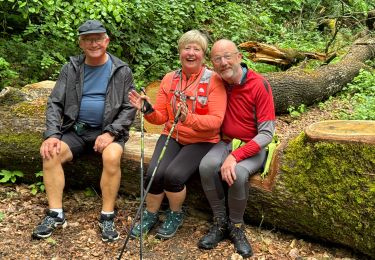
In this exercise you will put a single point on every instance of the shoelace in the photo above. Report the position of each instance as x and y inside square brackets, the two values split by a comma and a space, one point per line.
[148, 218]
[216, 227]
[108, 225]
[48, 221]
[238, 233]
[170, 218]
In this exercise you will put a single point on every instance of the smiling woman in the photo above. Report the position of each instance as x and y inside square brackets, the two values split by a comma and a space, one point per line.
[200, 96]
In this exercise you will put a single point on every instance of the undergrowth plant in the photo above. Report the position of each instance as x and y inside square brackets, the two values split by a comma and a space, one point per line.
[39, 185]
[360, 93]
[10, 176]
[297, 111]
[38, 36]
[6, 73]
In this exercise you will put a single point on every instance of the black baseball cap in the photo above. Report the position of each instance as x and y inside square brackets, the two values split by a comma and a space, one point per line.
[91, 26]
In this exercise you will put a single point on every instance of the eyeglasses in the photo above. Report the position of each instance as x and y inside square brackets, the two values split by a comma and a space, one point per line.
[93, 40]
[227, 56]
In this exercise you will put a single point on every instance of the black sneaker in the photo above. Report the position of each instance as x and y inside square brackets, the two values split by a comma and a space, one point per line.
[238, 238]
[217, 232]
[107, 225]
[169, 228]
[48, 225]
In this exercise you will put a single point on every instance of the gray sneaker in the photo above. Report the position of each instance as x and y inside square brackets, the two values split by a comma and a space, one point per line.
[107, 225]
[48, 225]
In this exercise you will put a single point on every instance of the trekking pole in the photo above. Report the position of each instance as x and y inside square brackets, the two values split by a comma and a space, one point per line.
[177, 116]
[141, 172]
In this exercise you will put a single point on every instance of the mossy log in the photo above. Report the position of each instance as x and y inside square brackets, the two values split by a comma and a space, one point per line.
[323, 189]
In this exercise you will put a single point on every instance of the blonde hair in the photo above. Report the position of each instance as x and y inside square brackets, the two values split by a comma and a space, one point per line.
[193, 36]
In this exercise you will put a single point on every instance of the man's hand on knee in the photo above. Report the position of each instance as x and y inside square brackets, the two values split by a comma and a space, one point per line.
[102, 141]
[50, 147]
[228, 172]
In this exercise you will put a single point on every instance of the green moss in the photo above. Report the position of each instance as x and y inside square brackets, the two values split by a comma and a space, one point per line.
[27, 109]
[337, 181]
[20, 151]
[14, 96]
[18, 140]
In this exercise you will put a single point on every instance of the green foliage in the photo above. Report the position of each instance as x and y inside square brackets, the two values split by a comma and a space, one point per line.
[2, 216]
[51, 241]
[6, 73]
[40, 35]
[10, 176]
[89, 192]
[36, 59]
[143, 33]
[296, 112]
[360, 93]
[38, 186]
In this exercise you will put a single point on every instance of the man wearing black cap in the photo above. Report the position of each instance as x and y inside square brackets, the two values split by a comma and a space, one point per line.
[88, 109]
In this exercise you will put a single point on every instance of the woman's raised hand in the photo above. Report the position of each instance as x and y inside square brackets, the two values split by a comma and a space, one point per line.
[136, 99]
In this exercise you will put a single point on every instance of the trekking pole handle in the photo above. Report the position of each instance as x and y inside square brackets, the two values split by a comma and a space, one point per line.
[177, 116]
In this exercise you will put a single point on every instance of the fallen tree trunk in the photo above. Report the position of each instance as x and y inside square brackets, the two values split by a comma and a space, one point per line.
[296, 87]
[322, 189]
[325, 187]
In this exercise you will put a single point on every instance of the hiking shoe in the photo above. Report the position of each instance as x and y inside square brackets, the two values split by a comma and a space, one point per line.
[238, 238]
[217, 232]
[107, 225]
[173, 221]
[149, 220]
[48, 224]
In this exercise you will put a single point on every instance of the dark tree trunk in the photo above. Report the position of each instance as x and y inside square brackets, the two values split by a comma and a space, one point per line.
[296, 87]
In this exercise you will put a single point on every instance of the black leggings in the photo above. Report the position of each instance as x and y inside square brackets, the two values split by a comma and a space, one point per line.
[179, 163]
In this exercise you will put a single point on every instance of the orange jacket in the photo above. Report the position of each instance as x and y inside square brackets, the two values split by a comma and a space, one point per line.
[196, 127]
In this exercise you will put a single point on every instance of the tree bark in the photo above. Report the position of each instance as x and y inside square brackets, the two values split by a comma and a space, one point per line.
[296, 87]
[283, 58]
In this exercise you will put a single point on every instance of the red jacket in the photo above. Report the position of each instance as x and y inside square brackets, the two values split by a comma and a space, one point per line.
[249, 105]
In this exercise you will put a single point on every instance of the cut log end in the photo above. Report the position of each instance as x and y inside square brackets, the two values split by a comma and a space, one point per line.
[347, 131]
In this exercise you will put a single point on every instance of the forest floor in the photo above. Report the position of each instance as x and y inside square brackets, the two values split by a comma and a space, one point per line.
[20, 211]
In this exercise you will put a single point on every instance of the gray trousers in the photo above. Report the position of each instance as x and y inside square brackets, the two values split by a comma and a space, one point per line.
[238, 192]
